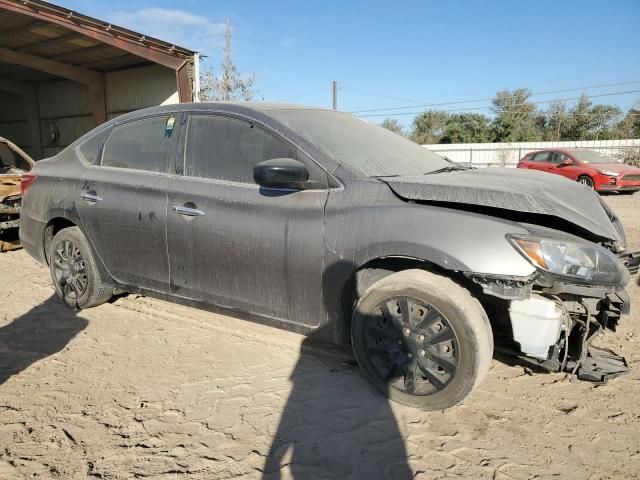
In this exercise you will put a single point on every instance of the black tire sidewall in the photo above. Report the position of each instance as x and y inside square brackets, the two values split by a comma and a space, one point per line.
[591, 183]
[74, 235]
[467, 373]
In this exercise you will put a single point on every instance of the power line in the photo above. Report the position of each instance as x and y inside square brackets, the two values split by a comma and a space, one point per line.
[379, 95]
[305, 94]
[549, 92]
[488, 107]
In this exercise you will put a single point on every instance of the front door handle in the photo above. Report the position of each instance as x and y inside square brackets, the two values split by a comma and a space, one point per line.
[187, 211]
[90, 197]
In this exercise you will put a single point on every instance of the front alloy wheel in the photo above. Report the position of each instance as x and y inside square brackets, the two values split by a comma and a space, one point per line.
[421, 339]
[412, 346]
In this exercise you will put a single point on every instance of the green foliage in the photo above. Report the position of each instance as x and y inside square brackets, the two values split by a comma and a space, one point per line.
[514, 117]
[393, 125]
[428, 127]
[630, 156]
[629, 127]
[229, 84]
[518, 119]
[466, 128]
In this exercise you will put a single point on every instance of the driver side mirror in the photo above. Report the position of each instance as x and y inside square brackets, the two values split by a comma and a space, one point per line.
[281, 173]
[566, 163]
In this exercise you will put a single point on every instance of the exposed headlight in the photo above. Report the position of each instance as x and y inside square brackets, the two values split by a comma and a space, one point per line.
[586, 262]
[609, 173]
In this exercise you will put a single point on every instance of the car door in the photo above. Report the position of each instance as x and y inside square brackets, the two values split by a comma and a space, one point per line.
[123, 202]
[234, 244]
[541, 161]
[560, 167]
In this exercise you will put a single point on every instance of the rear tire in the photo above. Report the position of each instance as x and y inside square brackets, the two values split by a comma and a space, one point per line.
[421, 339]
[74, 271]
[586, 180]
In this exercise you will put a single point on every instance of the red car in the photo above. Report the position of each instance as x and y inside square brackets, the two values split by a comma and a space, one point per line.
[587, 167]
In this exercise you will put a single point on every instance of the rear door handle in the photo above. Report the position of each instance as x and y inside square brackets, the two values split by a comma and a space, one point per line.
[187, 211]
[90, 197]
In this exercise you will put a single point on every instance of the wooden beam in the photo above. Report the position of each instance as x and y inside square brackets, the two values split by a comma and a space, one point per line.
[50, 42]
[184, 80]
[98, 101]
[66, 56]
[95, 29]
[22, 28]
[71, 72]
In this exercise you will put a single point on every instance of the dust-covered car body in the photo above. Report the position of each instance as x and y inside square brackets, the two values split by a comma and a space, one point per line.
[544, 256]
[14, 162]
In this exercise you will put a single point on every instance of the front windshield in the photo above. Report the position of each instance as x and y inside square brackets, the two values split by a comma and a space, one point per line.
[363, 148]
[591, 156]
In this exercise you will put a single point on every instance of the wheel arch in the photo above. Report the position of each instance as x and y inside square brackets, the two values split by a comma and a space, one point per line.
[368, 272]
[52, 227]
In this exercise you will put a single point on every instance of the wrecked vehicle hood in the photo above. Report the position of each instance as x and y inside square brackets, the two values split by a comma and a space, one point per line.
[526, 191]
[9, 186]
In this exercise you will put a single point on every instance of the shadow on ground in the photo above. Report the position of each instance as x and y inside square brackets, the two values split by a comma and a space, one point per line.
[334, 424]
[42, 331]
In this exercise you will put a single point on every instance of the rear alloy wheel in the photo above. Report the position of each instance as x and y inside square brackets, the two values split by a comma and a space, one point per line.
[74, 272]
[421, 339]
[586, 181]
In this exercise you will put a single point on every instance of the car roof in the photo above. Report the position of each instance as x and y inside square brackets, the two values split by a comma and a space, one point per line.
[259, 109]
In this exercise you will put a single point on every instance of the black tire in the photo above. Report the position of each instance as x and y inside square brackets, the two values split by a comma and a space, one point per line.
[586, 180]
[447, 352]
[74, 272]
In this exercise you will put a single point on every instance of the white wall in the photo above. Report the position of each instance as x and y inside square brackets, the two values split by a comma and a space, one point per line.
[508, 154]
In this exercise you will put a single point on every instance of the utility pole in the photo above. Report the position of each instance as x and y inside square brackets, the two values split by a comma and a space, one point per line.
[335, 94]
[227, 63]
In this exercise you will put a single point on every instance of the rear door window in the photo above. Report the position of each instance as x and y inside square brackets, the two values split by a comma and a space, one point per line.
[141, 145]
[559, 157]
[541, 157]
[225, 148]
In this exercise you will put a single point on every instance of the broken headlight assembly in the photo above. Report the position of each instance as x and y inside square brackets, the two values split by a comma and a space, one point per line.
[583, 262]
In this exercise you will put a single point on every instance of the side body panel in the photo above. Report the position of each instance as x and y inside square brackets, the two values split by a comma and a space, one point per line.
[366, 221]
[127, 225]
[254, 250]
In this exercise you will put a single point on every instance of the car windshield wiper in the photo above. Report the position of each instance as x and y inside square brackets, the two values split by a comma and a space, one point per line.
[446, 170]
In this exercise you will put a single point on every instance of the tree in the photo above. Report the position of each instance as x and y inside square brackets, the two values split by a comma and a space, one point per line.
[393, 125]
[466, 128]
[580, 121]
[629, 127]
[604, 119]
[554, 122]
[515, 117]
[428, 127]
[228, 85]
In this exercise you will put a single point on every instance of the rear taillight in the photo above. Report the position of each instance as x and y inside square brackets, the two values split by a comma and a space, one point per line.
[26, 181]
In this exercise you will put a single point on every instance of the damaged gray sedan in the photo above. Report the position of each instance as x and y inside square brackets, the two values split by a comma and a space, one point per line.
[318, 222]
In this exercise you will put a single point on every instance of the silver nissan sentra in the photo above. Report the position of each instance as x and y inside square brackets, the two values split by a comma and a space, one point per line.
[318, 222]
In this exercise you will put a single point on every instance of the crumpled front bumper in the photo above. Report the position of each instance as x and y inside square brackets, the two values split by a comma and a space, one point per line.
[631, 261]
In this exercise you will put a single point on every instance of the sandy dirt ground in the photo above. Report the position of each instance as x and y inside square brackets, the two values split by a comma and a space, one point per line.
[142, 388]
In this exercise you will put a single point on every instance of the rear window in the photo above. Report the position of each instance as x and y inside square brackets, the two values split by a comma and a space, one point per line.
[90, 148]
[541, 157]
[140, 145]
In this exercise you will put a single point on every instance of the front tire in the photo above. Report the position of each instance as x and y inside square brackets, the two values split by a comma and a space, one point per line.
[74, 271]
[421, 339]
[586, 180]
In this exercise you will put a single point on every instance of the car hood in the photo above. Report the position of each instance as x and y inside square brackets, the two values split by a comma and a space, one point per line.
[615, 167]
[525, 191]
